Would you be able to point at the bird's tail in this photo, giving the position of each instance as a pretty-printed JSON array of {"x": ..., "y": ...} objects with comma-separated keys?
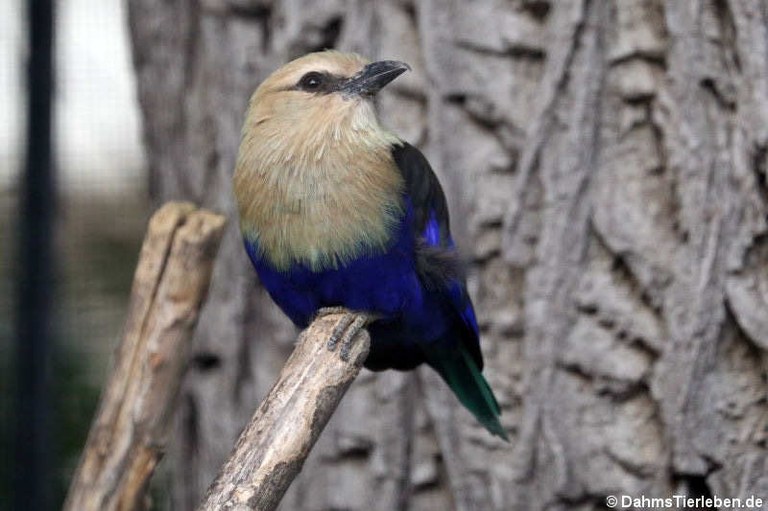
[{"x": 463, "y": 376}]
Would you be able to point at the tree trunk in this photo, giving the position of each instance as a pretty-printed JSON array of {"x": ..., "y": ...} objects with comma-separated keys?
[{"x": 606, "y": 164}]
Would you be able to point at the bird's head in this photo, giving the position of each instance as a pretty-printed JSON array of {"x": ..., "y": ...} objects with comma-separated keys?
[{"x": 316, "y": 99}]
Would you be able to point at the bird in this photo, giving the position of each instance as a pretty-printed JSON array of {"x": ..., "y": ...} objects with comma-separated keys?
[{"x": 339, "y": 213}]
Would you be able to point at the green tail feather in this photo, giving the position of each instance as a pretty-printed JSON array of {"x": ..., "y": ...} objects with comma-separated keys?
[{"x": 463, "y": 377}]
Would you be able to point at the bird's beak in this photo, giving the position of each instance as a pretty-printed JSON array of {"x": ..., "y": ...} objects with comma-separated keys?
[{"x": 373, "y": 77}]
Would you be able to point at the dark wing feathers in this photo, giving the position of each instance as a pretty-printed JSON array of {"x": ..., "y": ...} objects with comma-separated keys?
[
  {"x": 424, "y": 189},
  {"x": 436, "y": 257}
]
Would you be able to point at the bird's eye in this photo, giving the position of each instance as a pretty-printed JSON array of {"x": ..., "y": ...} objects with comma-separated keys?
[{"x": 311, "y": 81}]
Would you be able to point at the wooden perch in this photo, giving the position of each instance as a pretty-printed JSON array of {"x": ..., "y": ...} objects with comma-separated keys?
[
  {"x": 271, "y": 450},
  {"x": 128, "y": 436}
]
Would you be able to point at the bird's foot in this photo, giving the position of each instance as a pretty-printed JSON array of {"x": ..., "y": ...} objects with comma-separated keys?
[
  {"x": 344, "y": 331},
  {"x": 326, "y": 311}
]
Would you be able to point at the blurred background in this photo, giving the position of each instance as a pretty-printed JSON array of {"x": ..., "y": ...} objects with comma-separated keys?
[{"x": 99, "y": 220}]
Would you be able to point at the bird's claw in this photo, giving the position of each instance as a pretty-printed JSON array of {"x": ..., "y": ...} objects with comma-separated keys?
[
  {"x": 344, "y": 333},
  {"x": 339, "y": 329},
  {"x": 349, "y": 337}
]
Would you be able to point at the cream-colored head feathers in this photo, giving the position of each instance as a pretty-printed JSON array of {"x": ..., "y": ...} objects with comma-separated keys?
[{"x": 315, "y": 180}]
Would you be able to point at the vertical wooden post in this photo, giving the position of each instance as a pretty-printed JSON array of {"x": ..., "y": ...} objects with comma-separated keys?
[{"x": 129, "y": 434}]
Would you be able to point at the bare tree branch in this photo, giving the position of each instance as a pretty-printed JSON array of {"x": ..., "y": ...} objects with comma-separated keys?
[{"x": 272, "y": 448}]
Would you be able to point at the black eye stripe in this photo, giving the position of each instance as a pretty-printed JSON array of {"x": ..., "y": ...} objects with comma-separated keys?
[{"x": 317, "y": 81}]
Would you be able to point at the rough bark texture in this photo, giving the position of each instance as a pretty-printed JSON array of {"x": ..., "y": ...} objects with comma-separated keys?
[
  {"x": 130, "y": 431},
  {"x": 606, "y": 163},
  {"x": 277, "y": 440}
]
